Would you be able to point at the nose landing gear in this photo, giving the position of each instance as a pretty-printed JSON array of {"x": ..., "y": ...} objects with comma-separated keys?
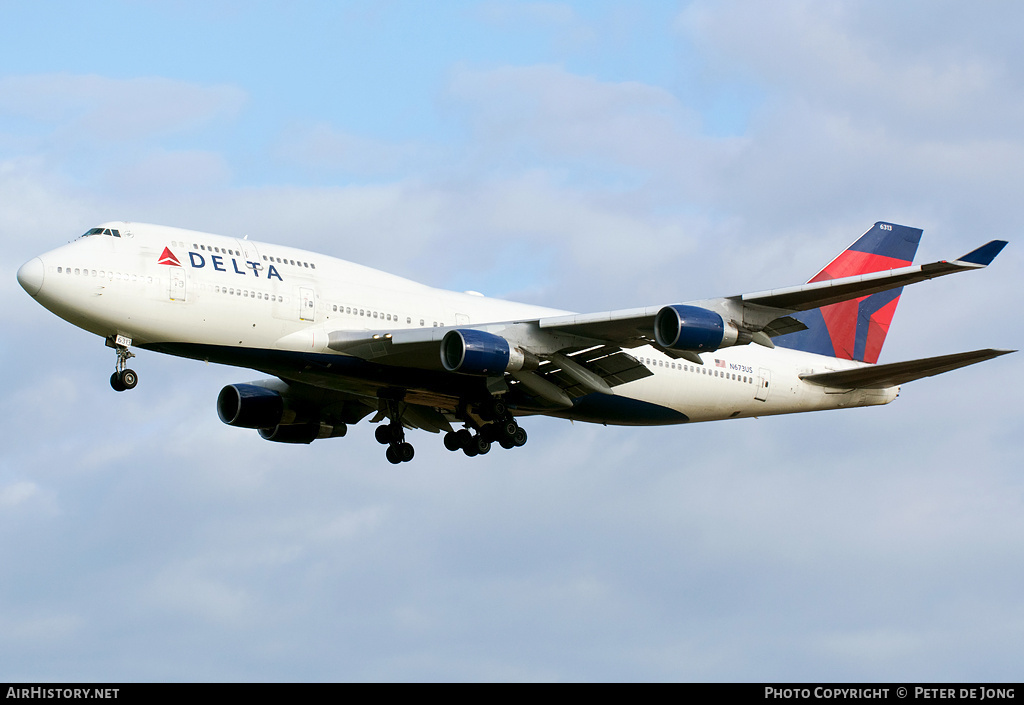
[{"x": 123, "y": 378}]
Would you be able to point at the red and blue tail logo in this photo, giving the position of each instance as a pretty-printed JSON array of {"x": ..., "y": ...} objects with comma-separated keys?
[
  {"x": 167, "y": 257},
  {"x": 856, "y": 329}
]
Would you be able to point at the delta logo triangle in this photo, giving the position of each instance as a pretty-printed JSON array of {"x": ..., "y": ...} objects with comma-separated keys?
[{"x": 167, "y": 257}]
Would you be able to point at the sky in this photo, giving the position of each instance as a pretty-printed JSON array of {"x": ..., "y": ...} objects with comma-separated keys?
[{"x": 585, "y": 156}]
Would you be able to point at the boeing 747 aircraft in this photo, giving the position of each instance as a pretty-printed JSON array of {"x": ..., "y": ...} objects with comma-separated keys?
[{"x": 342, "y": 341}]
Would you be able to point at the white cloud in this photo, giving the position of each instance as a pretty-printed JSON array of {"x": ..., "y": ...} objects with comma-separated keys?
[
  {"x": 322, "y": 149},
  {"x": 890, "y": 65},
  {"x": 116, "y": 110},
  {"x": 17, "y": 493}
]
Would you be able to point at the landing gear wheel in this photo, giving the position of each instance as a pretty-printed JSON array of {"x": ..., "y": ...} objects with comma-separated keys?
[
  {"x": 493, "y": 409},
  {"x": 128, "y": 378},
  {"x": 383, "y": 434},
  {"x": 452, "y": 441},
  {"x": 405, "y": 451},
  {"x": 393, "y": 455},
  {"x": 519, "y": 439},
  {"x": 498, "y": 408},
  {"x": 481, "y": 445},
  {"x": 115, "y": 382},
  {"x": 509, "y": 429}
]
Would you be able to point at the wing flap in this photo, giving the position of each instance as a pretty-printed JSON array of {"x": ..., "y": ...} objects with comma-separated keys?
[
  {"x": 897, "y": 373},
  {"x": 610, "y": 363}
]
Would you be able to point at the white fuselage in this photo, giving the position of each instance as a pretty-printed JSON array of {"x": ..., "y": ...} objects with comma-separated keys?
[{"x": 164, "y": 286}]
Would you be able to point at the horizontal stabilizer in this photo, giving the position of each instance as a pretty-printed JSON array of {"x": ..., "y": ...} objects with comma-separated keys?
[
  {"x": 984, "y": 254},
  {"x": 897, "y": 373}
]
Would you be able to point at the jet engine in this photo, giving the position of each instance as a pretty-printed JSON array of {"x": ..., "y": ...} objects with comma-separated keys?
[
  {"x": 302, "y": 432},
  {"x": 286, "y": 415},
  {"x": 250, "y": 406},
  {"x": 476, "y": 352},
  {"x": 695, "y": 329}
]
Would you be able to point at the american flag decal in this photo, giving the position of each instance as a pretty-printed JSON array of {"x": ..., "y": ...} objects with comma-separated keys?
[{"x": 719, "y": 363}]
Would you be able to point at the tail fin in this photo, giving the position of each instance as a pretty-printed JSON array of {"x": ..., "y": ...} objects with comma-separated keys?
[{"x": 855, "y": 330}]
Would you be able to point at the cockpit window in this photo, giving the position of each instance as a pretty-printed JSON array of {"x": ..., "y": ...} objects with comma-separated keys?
[{"x": 102, "y": 231}]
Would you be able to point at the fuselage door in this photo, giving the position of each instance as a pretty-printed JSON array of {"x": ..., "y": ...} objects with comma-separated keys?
[
  {"x": 177, "y": 277},
  {"x": 307, "y": 304},
  {"x": 251, "y": 256},
  {"x": 764, "y": 381}
]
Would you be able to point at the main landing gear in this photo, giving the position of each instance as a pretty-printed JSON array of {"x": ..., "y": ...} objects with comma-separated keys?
[
  {"x": 501, "y": 428},
  {"x": 393, "y": 436},
  {"x": 123, "y": 378}
]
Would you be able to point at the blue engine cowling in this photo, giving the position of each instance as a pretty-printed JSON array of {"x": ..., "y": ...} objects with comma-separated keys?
[
  {"x": 476, "y": 352},
  {"x": 692, "y": 328},
  {"x": 250, "y": 406}
]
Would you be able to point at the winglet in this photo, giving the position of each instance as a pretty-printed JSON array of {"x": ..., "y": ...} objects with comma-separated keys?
[{"x": 984, "y": 255}]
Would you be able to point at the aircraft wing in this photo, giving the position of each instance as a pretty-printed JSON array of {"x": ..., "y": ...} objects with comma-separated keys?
[
  {"x": 573, "y": 370},
  {"x": 823, "y": 293},
  {"x": 580, "y": 354},
  {"x": 768, "y": 310},
  {"x": 897, "y": 373}
]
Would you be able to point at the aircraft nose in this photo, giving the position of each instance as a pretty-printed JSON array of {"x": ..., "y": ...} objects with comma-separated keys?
[{"x": 30, "y": 276}]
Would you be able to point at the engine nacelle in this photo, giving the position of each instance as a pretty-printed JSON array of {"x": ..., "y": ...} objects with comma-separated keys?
[
  {"x": 693, "y": 329},
  {"x": 303, "y": 432},
  {"x": 250, "y": 406},
  {"x": 476, "y": 352}
]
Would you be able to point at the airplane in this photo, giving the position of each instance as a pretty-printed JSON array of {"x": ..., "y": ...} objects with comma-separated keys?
[{"x": 342, "y": 341}]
